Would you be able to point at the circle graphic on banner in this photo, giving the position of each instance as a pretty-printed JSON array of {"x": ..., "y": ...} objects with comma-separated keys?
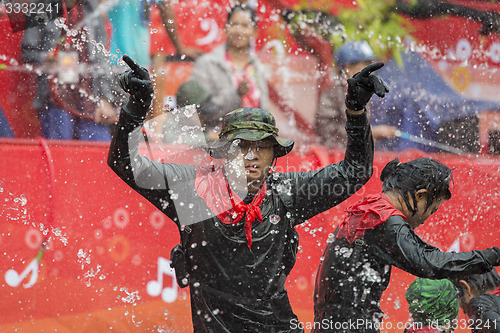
[
  {"x": 119, "y": 248},
  {"x": 136, "y": 260},
  {"x": 33, "y": 239},
  {"x": 157, "y": 220},
  {"x": 121, "y": 218},
  {"x": 301, "y": 283},
  {"x": 210, "y": 26}
]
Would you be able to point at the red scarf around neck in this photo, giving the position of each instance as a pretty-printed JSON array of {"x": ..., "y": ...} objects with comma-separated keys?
[
  {"x": 211, "y": 185},
  {"x": 368, "y": 213}
]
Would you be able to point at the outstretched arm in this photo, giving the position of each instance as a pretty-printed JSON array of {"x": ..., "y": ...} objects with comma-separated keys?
[{"x": 401, "y": 246}]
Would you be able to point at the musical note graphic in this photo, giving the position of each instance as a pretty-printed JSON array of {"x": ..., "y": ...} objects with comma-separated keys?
[
  {"x": 155, "y": 287},
  {"x": 13, "y": 279}
]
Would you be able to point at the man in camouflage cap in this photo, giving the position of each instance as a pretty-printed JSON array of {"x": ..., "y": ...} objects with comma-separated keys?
[{"x": 238, "y": 237}]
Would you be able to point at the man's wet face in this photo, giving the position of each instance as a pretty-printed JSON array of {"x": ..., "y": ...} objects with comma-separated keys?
[{"x": 252, "y": 159}]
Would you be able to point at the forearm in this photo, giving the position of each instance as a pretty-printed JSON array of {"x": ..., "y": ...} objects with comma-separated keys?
[
  {"x": 358, "y": 159},
  {"x": 124, "y": 146}
]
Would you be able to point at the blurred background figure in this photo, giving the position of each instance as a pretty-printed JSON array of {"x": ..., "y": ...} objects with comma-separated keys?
[
  {"x": 330, "y": 116},
  {"x": 478, "y": 295},
  {"x": 433, "y": 305},
  {"x": 78, "y": 104},
  {"x": 232, "y": 74},
  {"x": 5, "y": 130},
  {"x": 130, "y": 30},
  {"x": 185, "y": 124},
  {"x": 167, "y": 12}
]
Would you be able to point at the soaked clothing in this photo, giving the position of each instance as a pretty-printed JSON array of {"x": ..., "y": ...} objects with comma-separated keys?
[
  {"x": 352, "y": 276},
  {"x": 235, "y": 288},
  {"x": 485, "y": 313},
  {"x": 330, "y": 116}
]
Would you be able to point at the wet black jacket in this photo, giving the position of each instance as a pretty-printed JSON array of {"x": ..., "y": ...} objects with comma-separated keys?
[
  {"x": 234, "y": 288},
  {"x": 352, "y": 277},
  {"x": 485, "y": 314}
]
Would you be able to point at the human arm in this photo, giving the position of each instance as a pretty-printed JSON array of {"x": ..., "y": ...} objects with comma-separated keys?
[
  {"x": 316, "y": 191},
  {"x": 400, "y": 246},
  {"x": 381, "y": 132},
  {"x": 38, "y": 42},
  {"x": 105, "y": 113},
  {"x": 335, "y": 183}
]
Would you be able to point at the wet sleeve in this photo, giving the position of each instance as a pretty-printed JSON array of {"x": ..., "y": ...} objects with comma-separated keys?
[
  {"x": 400, "y": 246},
  {"x": 148, "y": 178},
  {"x": 330, "y": 118},
  {"x": 314, "y": 192}
]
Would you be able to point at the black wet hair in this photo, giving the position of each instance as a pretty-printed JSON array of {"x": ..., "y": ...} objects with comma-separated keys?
[
  {"x": 422, "y": 173},
  {"x": 242, "y": 7},
  {"x": 481, "y": 282}
]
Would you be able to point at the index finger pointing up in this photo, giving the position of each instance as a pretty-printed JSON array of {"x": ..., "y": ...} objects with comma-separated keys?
[
  {"x": 371, "y": 68},
  {"x": 131, "y": 63}
]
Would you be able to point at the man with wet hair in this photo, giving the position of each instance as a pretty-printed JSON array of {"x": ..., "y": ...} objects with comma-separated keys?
[{"x": 237, "y": 222}]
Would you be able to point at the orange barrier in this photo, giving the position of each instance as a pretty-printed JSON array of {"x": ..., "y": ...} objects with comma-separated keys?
[{"x": 104, "y": 266}]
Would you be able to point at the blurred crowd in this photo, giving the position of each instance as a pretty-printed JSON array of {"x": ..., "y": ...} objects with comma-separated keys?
[{"x": 76, "y": 96}]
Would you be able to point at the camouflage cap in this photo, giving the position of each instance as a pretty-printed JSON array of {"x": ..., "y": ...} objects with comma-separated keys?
[
  {"x": 191, "y": 92},
  {"x": 432, "y": 301},
  {"x": 252, "y": 124}
]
